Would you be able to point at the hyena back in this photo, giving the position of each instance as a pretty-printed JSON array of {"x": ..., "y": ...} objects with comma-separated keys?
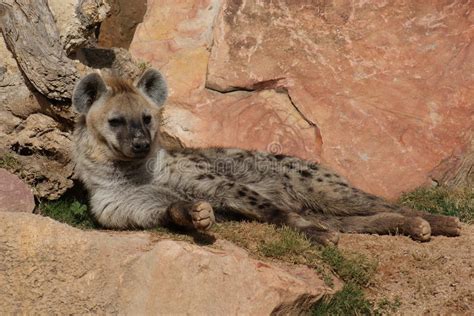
[{"x": 134, "y": 182}]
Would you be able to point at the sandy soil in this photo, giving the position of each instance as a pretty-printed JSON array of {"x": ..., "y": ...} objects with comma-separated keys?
[{"x": 436, "y": 277}]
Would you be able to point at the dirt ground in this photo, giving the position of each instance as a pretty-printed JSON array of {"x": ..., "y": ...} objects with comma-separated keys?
[{"x": 436, "y": 277}]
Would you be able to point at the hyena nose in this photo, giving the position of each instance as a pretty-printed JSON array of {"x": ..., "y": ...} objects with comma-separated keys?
[{"x": 140, "y": 146}]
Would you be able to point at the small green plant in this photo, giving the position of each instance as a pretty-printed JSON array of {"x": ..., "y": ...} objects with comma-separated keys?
[
  {"x": 385, "y": 306},
  {"x": 442, "y": 200},
  {"x": 69, "y": 211},
  {"x": 143, "y": 65}
]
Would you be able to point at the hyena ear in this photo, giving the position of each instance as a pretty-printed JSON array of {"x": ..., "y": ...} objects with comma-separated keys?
[
  {"x": 153, "y": 85},
  {"x": 88, "y": 90}
]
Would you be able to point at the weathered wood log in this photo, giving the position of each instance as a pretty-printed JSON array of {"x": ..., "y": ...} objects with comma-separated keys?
[
  {"x": 457, "y": 170},
  {"x": 31, "y": 34}
]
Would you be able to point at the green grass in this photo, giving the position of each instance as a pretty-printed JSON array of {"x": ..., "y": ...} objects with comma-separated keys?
[
  {"x": 349, "y": 301},
  {"x": 288, "y": 243},
  {"x": 443, "y": 200},
  {"x": 69, "y": 211},
  {"x": 352, "y": 268},
  {"x": 356, "y": 271},
  {"x": 9, "y": 162}
]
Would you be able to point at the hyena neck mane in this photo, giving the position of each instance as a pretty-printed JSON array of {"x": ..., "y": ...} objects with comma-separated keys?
[{"x": 116, "y": 132}]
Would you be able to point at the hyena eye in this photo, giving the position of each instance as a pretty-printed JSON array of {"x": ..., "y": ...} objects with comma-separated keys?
[
  {"x": 146, "y": 119},
  {"x": 116, "y": 121}
]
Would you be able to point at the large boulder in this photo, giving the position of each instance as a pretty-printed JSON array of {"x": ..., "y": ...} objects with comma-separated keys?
[
  {"x": 381, "y": 92},
  {"x": 48, "y": 267}
]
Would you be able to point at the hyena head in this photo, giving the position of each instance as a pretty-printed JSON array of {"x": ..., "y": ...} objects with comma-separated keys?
[{"x": 122, "y": 117}]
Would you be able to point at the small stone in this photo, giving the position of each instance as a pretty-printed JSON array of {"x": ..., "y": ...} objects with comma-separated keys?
[{"x": 15, "y": 196}]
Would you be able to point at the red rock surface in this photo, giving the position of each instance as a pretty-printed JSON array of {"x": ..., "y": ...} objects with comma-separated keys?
[
  {"x": 15, "y": 196},
  {"x": 381, "y": 92}
]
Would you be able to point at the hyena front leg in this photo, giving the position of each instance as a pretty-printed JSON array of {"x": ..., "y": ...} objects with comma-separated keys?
[
  {"x": 198, "y": 215},
  {"x": 147, "y": 207}
]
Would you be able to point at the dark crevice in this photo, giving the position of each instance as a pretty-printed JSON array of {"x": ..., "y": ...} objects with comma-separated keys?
[
  {"x": 229, "y": 89},
  {"x": 299, "y": 111},
  {"x": 271, "y": 84}
]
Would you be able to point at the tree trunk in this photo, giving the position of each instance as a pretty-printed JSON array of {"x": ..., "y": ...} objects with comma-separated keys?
[{"x": 31, "y": 34}]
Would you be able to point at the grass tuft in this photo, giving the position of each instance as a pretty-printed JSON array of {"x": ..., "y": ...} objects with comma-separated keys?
[
  {"x": 9, "y": 162},
  {"x": 288, "y": 243},
  {"x": 69, "y": 211},
  {"x": 349, "y": 301},
  {"x": 143, "y": 65},
  {"x": 356, "y": 271},
  {"x": 352, "y": 268},
  {"x": 442, "y": 200}
]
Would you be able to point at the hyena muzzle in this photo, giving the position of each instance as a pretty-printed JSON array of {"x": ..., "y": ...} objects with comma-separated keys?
[{"x": 134, "y": 182}]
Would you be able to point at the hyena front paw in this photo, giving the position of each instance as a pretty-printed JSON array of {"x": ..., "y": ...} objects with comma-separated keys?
[{"x": 202, "y": 215}]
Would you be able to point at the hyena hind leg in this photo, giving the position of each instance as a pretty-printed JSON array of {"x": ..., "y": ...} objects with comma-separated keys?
[
  {"x": 383, "y": 224},
  {"x": 440, "y": 224},
  {"x": 365, "y": 204},
  {"x": 198, "y": 215},
  {"x": 316, "y": 231}
]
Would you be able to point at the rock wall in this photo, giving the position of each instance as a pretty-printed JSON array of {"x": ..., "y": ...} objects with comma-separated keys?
[
  {"x": 381, "y": 92},
  {"x": 52, "y": 268}
]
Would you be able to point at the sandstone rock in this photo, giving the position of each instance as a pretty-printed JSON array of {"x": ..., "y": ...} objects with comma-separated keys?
[
  {"x": 49, "y": 268},
  {"x": 262, "y": 120},
  {"x": 386, "y": 89},
  {"x": 176, "y": 37},
  {"x": 76, "y": 20},
  {"x": 43, "y": 151},
  {"x": 15, "y": 196}
]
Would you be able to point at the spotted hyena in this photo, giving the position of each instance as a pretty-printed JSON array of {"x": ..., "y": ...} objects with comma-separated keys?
[{"x": 135, "y": 183}]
